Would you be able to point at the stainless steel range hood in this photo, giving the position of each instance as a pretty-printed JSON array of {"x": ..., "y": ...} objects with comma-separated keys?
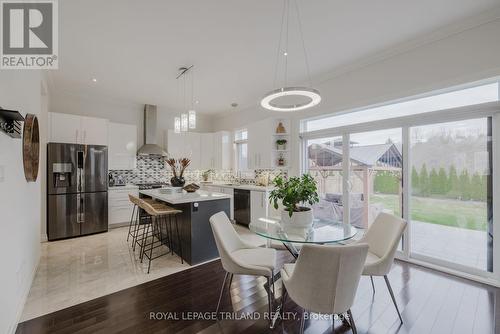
[{"x": 150, "y": 146}]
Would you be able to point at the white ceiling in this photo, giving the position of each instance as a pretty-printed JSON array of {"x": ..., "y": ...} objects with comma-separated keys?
[{"x": 134, "y": 47}]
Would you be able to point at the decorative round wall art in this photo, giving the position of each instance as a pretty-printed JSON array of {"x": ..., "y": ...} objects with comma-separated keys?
[{"x": 31, "y": 148}]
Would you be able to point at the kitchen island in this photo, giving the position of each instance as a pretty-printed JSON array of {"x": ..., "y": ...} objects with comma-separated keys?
[{"x": 198, "y": 244}]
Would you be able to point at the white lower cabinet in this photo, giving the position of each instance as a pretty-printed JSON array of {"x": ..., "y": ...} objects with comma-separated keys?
[
  {"x": 258, "y": 205},
  {"x": 119, "y": 206}
]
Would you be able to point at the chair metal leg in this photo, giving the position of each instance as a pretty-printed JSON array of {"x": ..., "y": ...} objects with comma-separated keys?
[
  {"x": 284, "y": 294},
  {"x": 302, "y": 321},
  {"x": 392, "y": 296},
  {"x": 351, "y": 321},
  {"x": 221, "y": 293},
  {"x": 270, "y": 301},
  {"x": 373, "y": 285}
]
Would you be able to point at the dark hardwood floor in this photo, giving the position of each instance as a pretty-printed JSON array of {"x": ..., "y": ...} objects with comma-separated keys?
[{"x": 430, "y": 302}]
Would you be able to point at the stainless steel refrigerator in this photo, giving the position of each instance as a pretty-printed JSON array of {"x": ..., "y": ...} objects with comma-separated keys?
[{"x": 77, "y": 190}]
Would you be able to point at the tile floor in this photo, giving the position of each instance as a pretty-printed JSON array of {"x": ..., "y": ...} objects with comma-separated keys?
[{"x": 76, "y": 270}]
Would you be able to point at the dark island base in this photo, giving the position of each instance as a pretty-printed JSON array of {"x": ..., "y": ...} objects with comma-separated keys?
[{"x": 197, "y": 239}]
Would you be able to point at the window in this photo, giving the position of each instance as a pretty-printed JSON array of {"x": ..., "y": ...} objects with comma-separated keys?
[
  {"x": 454, "y": 99},
  {"x": 241, "y": 148}
]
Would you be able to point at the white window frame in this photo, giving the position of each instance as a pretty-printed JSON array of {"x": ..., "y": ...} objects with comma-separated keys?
[{"x": 490, "y": 109}]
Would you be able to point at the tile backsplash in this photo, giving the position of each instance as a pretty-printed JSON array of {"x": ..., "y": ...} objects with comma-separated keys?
[{"x": 150, "y": 169}]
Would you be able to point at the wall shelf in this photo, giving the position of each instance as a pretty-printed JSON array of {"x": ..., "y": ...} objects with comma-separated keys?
[{"x": 10, "y": 122}]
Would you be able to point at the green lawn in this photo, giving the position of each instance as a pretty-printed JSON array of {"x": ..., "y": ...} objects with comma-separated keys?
[{"x": 464, "y": 214}]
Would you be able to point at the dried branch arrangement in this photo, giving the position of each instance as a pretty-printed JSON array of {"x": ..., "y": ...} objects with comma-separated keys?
[{"x": 178, "y": 165}]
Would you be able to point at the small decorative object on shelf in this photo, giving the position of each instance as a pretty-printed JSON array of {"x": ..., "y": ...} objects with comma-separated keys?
[
  {"x": 281, "y": 144},
  {"x": 10, "y": 122},
  {"x": 175, "y": 165},
  {"x": 281, "y": 161},
  {"x": 291, "y": 192},
  {"x": 280, "y": 128},
  {"x": 31, "y": 148}
]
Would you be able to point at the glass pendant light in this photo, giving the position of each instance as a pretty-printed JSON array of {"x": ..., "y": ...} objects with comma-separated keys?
[
  {"x": 184, "y": 122},
  {"x": 177, "y": 124}
]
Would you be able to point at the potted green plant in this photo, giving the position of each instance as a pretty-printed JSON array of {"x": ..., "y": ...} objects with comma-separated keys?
[
  {"x": 206, "y": 174},
  {"x": 281, "y": 144},
  {"x": 292, "y": 193}
]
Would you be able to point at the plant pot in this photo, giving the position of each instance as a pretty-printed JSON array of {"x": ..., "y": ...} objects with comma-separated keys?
[
  {"x": 177, "y": 182},
  {"x": 281, "y": 147},
  {"x": 303, "y": 219}
]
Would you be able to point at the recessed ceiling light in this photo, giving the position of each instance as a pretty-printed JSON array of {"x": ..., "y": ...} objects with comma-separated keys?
[
  {"x": 94, "y": 80},
  {"x": 197, "y": 102}
]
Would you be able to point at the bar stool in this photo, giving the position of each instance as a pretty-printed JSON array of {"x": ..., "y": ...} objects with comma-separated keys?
[
  {"x": 162, "y": 217},
  {"x": 135, "y": 218}
]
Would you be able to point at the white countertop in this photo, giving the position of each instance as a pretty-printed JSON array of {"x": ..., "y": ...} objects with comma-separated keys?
[
  {"x": 125, "y": 187},
  {"x": 239, "y": 186},
  {"x": 185, "y": 197}
]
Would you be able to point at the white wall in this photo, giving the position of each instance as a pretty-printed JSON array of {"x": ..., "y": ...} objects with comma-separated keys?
[
  {"x": 20, "y": 201},
  {"x": 465, "y": 56},
  {"x": 119, "y": 111}
]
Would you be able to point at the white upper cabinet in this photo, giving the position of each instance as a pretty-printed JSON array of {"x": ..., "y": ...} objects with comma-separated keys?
[
  {"x": 185, "y": 145},
  {"x": 73, "y": 129},
  {"x": 94, "y": 131},
  {"x": 122, "y": 146},
  {"x": 222, "y": 150},
  {"x": 207, "y": 150},
  {"x": 64, "y": 128},
  {"x": 260, "y": 135}
]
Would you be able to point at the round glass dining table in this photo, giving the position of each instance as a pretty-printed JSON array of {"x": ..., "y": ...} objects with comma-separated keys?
[{"x": 321, "y": 232}]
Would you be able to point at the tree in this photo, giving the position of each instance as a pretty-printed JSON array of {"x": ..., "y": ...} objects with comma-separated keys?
[
  {"x": 443, "y": 182},
  {"x": 453, "y": 183},
  {"x": 434, "y": 182},
  {"x": 424, "y": 181},
  {"x": 464, "y": 185},
  {"x": 415, "y": 181},
  {"x": 476, "y": 188}
]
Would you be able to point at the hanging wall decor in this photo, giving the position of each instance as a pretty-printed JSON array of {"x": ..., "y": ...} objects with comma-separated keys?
[{"x": 31, "y": 147}]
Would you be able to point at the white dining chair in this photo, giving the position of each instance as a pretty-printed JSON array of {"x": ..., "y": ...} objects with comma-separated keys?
[
  {"x": 241, "y": 258},
  {"x": 325, "y": 279},
  {"x": 383, "y": 238}
]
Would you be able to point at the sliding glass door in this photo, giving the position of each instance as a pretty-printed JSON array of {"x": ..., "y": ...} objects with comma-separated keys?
[
  {"x": 451, "y": 192},
  {"x": 437, "y": 176}
]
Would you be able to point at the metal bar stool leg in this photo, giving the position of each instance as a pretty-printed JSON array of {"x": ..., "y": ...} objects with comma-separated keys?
[
  {"x": 154, "y": 221},
  {"x": 131, "y": 222}
]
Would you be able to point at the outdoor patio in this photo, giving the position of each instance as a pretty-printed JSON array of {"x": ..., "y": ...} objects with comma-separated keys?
[{"x": 457, "y": 245}]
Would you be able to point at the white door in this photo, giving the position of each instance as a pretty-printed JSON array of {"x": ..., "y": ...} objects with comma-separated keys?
[
  {"x": 64, "y": 128},
  {"x": 95, "y": 131},
  {"x": 258, "y": 206}
]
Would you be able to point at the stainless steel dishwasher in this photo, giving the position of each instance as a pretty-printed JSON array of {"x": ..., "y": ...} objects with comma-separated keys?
[{"x": 242, "y": 206}]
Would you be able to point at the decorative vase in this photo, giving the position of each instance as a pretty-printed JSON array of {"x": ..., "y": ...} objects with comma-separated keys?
[
  {"x": 281, "y": 147},
  {"x": 280, "y": 128},
  {"x": 177, "y": 181},
  {"x": 302, "y": 219}
]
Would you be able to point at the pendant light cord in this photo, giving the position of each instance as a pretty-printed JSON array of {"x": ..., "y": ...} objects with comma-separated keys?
[
  {"x": 278, "y": 53},
  {"x": 308, "y": 70}
]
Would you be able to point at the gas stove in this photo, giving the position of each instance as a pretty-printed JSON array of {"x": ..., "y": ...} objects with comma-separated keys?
[{"x": 154, "y": 185}]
